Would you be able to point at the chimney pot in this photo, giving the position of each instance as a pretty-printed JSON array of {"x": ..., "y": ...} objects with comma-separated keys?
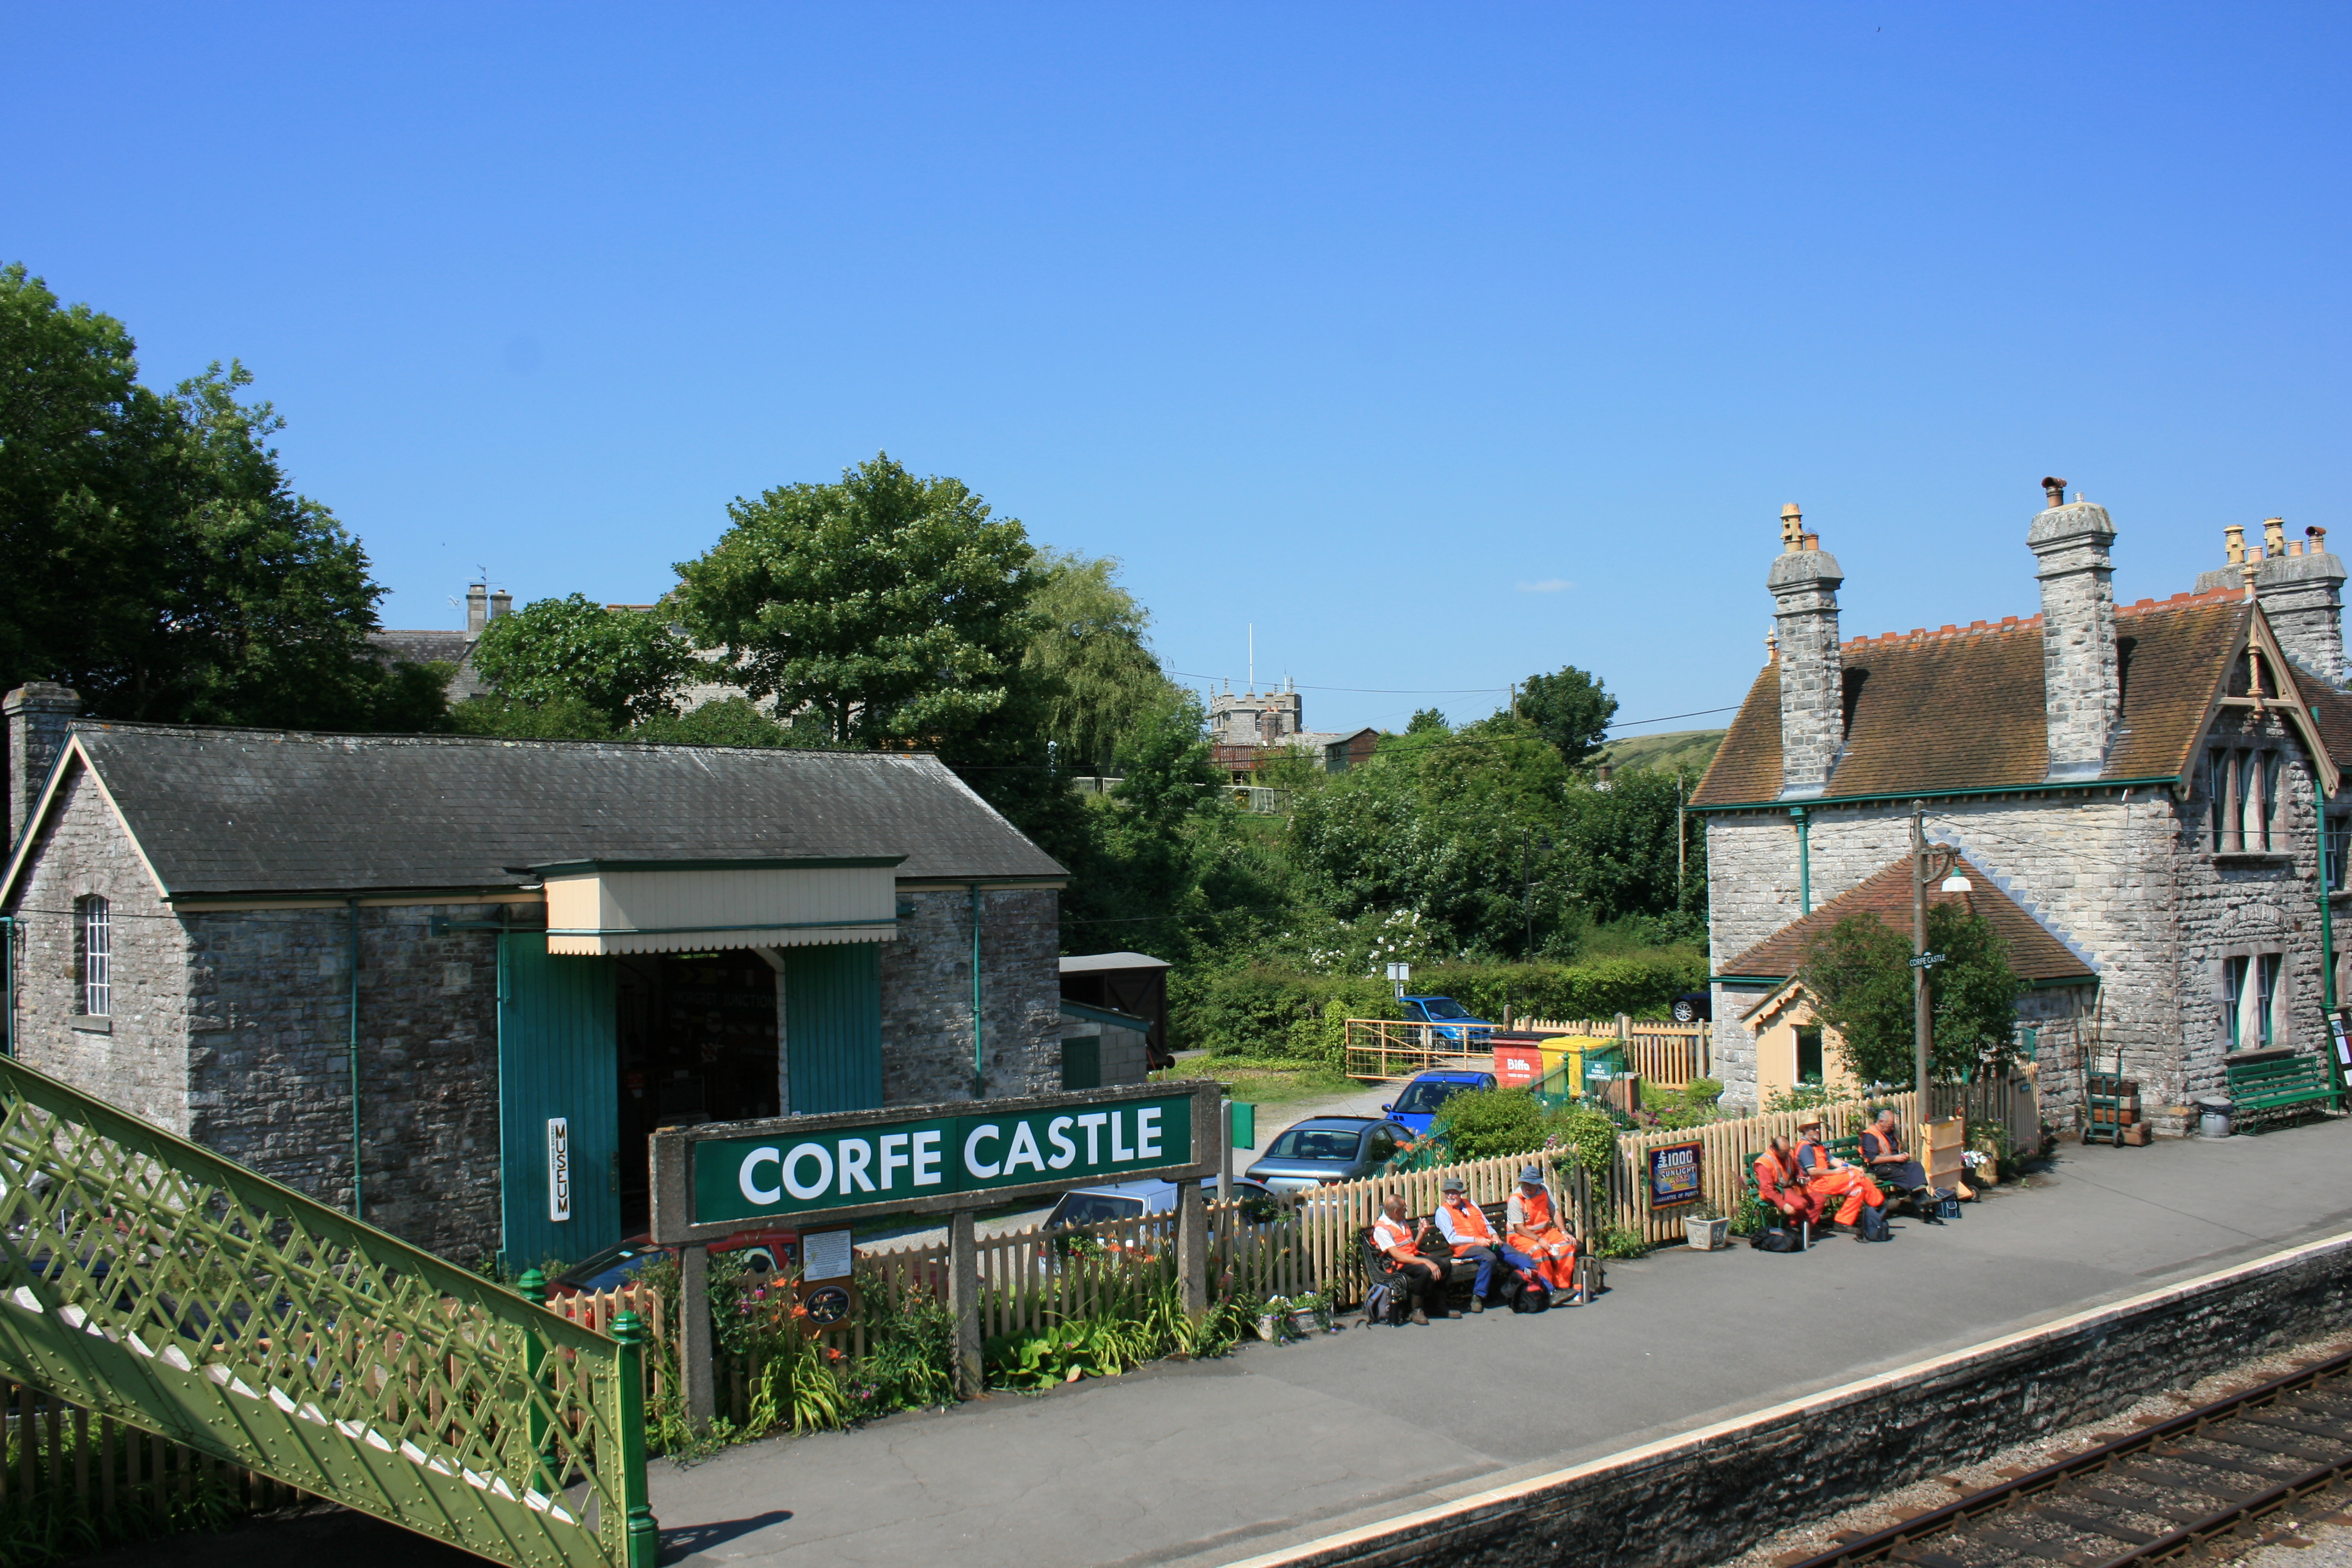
[
  {"x": 1792, "y": 529},
  {"x": 2274, "y": 537},
  {"x": 2053, "y": 490}
]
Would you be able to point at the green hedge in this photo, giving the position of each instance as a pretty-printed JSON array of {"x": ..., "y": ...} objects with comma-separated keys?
[{"x": 1262, "y": 1010}]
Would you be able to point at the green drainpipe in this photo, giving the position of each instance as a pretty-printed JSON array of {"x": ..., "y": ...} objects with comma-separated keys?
[
  {"x": 8, "y": 984},
  {"x": 358, "y": 1206},
  {"x": 1804, "y": 859},
  {"x": 979, "y": 1062}
]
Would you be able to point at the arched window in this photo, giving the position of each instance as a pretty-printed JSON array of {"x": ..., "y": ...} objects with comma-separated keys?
[{"x": 94, "y": 956}]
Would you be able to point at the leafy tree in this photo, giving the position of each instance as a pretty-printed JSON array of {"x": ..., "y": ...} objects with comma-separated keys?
[
  {"x": 561, "y": 718},
  {"x": 626, "y": 665},
  {"x": 892, "y": 607},
  {"x": 724, "y": 721},
  {"x": 1859, "y": 975},
  {"x": 160, "y": 562},
  {"x": 1427, "y": 722},
  {"x": 1096, "y": 675},
  {"x": 1570, "y": 709}
]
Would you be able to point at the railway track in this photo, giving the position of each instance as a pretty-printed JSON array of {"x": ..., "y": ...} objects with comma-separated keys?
[{"x": 2143, "y": 1496}]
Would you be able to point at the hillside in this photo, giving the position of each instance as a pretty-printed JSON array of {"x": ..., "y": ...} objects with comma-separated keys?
[{"x": 1689, "y": 749}]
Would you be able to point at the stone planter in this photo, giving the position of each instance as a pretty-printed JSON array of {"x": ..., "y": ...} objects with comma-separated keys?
[
  {"x": 1706, "y": 1235},
  {"x": 1276, "y": 1326}
]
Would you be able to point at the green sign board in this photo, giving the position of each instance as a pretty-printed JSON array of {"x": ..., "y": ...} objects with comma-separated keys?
[{"x": 929, "y": 1157}]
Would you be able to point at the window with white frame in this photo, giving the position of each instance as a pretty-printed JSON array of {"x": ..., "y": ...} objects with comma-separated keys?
[
  {"x": 2250, "y": 1001},
  {"x": 94, "y": 956},
  {"x": 2339, "y": 843}
]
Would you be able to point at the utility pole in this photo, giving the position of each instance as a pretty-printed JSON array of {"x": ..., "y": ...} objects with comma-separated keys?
[{"x": 1919, "y": 959}]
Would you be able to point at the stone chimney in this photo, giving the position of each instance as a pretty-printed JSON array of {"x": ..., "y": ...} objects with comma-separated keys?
[
  {"x": 39, "y": 715},
  {"x": 2081, "y": 699},
  {"x": 501, "y": 603},
  {"x": 478, "y": 608},
  {"x": 2300, "y": 586},
  {"x": 1804, "y": 582}
]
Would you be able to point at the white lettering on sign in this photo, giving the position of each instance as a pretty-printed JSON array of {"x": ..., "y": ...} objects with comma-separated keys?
[
  {"x": 856, "y": 1154},
  {"x": 1057, "y": 1133},
  {"x": 1119, "y": 1149},
  {"x": 988, "y": 1130},
  {"x": 893, "y": 1156},
  {"x": 751, "y": 1189},
  {"x": 1092, "y": 1122},
  {"x": 793, "y": 1162},
  {"x": 927, "y": 1159},
  {"x": 559, "y": 1168},
  {"x": 1024, "y": 1153},
  {"x": 1147, "y": 1131}
]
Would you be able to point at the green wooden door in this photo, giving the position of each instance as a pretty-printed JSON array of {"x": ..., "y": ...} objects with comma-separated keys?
[
  {"x": 559, "y": 1104},
  {"x": 832, "y": 1026}
]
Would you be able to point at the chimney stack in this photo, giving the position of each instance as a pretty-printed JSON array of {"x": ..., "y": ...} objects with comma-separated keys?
[
  {"x": 40, "y": 713},
  {"x": 2301, "y": 593},
  {"x": 478, "y": 608},
  {"x": 2081, "y": 700},
  {"x": 501, "y": 603},
  {"x": 1804, "y": 582}
]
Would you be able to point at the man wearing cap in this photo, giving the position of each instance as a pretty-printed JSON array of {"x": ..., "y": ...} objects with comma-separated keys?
[
  {"x": 1828, "y": 1177},
  {"x": 1532, "y": 1229},
  {"x": 1421, "y": 1278},
  {"x": 1466, "y": 1229}
]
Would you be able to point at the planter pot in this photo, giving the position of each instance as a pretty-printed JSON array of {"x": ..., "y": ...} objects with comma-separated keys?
[
  {"x": 1706, "y": 1235},
  {"x": 1304, "y": 1324}
]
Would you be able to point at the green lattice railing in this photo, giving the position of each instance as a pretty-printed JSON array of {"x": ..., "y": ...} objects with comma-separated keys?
[{"x": 150, "y": 1280}]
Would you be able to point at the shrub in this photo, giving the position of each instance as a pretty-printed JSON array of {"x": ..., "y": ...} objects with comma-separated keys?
[
  {"x": 1644, "y": 984},
  {"x": 1622, "y": 1241},
  {"x": 1486, "y": 1123},
  {"x": 1591, "y": 1135}
]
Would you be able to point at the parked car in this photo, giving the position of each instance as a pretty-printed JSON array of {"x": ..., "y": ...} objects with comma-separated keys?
[
  {"x": 1128, "y": 1200},
  {"x": 1694, "y": 1007},
  {"x": 1455, "y": 1023},
  {"x": 1416, "y": 1108},
  {"x": 1323, "y": 1150},
  {"x": 765, "y": 1251}
]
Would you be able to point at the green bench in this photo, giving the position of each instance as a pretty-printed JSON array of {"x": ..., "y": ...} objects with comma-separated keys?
[
  {"x": 2278, "y": 1086},
  {"x": 1848, "y": 1149}
]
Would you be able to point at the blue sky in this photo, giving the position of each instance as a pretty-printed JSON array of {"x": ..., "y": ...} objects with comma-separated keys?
[{"x": 1444, "y": 344}]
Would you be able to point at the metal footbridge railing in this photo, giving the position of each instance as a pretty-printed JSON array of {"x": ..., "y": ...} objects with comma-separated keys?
[{"x": 150, "y": 1280}]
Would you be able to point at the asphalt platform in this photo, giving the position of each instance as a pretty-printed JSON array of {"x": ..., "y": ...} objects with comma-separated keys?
[{"x": 1208, "y": 1462}]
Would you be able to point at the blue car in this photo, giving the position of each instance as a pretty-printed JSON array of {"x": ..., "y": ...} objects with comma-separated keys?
[
  {"x": 1416, "y": 1108},
  {"x": 1455, "y": 1022}
]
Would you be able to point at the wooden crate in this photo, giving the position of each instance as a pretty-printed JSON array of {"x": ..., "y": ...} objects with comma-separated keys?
[{"x": 1940, "y": 1142}]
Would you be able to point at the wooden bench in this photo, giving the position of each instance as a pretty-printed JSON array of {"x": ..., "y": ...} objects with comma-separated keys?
[
  {"x": 1378, "y": 1266},
  {"x": 1848, "y": 1149},
  {"x": 2277, "y": 1085}
]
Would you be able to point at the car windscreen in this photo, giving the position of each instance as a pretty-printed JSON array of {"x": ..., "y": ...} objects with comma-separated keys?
[
  {"x": 1445, "y": 1008},
  {"x": 1428, "y": 1095},
  {"x": 612, "y": 1272},
  {"x": 1316, "y": 1143},
  {"x": 1092, "y": 1208}
]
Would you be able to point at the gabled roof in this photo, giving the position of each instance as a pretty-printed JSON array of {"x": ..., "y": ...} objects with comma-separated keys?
[
  {"x": 220, "y": 811},
  {"x": 2035, "y": 951},
  {"x": 1961, "y": 709}
]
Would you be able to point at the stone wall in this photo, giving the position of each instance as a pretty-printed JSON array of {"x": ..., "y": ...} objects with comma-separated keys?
[
  {"x": 136, "y": 1058},
  {"x": 2128, "y": 878},
  {"x": 927, "y": 995},
  {"x": 269, "y": 1064},
  {"x": 1706, "y": 1496}
]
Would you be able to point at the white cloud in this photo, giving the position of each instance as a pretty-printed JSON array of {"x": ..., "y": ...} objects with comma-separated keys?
[{"x": 1549, "y": 585}]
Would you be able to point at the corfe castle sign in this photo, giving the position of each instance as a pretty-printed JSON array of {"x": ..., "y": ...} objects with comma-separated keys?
[{"x": 717, "y": 1178}]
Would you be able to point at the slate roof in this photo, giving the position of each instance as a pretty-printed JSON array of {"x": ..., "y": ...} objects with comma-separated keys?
[
  {"x": 1962, "y": 707},
  {"x": 2034, "y": 951},
  {"x": 246, "y": 811},
  {"x": 425, "y": 647}
]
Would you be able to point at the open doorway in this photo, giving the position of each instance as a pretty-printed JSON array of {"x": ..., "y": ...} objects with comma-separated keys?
[{"x": 697, "y": 1043}]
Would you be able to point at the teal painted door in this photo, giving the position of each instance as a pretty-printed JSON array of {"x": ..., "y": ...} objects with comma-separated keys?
[
  {"x": 559, "y": 1104},
  {"x": 832, "y": 1026}
]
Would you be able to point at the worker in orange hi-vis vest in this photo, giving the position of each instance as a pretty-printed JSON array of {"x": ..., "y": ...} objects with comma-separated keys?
[
  {"x": 1782, "y": 1185},
  {"x": 1532, "y": 1227},
  {"x": 1422, "y": 1278},
  {"x": 1466, "y": 1227},
  {"x": 1828, "y": 1177}
]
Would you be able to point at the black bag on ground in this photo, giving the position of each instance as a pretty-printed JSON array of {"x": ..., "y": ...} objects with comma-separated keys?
[
  {"x": 1777, "y": 1240},
  {"x": 1531, "y": 1298},
  {"x": 1948, "y": 1207},
  {"x": 1874, "y": 1225}
]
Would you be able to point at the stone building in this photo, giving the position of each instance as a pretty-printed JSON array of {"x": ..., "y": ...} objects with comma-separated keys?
[
  {"x": 403, "y": 974},
  {"x": 453, "y": 649},
  {"x": 2153, "y": 786}
]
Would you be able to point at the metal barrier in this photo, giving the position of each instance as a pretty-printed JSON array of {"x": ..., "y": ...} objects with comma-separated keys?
[{"x": 151, "y": 1281}]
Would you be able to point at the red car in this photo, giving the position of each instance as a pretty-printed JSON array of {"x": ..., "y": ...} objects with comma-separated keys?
[{"x": 766, "y": 1251}]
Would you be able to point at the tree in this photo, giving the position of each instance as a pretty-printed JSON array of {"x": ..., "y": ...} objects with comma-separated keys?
[
  {"x": 625, "y": 665},
  {"x": 162, "y": 564},
  {"x": 893, "y": 608},
  {"x": 1427, "y": 722},
  {"x": 1858, "y": 974},
  {"x": 1570, "y": 709},
  {"x": 724, "y": 721},
  {"x": 1097, "y": 675}
]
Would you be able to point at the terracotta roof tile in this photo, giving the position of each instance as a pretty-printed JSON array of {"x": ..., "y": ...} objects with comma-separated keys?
[
  {"x": 1962, "y": 707},
  {"x": 2033, "y": 951}
]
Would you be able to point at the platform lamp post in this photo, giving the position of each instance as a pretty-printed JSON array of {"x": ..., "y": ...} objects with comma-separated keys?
[{"x": 1954, "y": 882}]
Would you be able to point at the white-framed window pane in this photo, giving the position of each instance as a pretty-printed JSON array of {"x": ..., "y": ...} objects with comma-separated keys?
[
  {"x": 2266, "y": 978},
  {"x": 2234, "y": 996},
  {"x": 96, "y": 957},
  {"x": 2274, "y": 765},
  {"x": 2217, "y": 786}
]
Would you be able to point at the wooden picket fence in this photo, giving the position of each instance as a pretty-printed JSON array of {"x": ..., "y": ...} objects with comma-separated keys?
[
  {"x": 1667, "y": 1054},
  {"x": 109, "y": 1468}
]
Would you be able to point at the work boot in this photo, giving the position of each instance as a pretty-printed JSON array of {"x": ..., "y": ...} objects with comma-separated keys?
[
  {"x": 1477, "y": 1303},
  {"x": 1420, "y": 1317}
]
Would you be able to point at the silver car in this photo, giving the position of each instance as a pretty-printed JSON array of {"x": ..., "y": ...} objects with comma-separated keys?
[{"x": 1323, "y": 1150}]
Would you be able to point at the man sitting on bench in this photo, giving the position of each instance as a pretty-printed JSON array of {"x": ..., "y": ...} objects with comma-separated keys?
[
  {"x": 1421, "y": 1278},
  {"x": 1828, "y": 1178},
  {"x": 1782, "y": 1185},
  {"x": 1472, "y": 1238},
  {"x": 1883, "y": 1155}
]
